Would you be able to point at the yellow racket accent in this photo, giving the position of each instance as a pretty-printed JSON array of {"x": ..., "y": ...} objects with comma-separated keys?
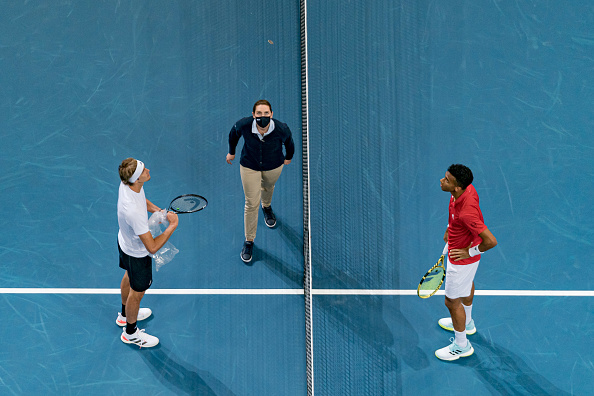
[{"x": 433, "y": 279}]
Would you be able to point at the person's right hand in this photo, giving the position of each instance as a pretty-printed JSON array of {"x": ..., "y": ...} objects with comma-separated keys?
[
  {"x": 172, "y": 219},
  {"x": 230, "y": 158},
  {"x": 445, "y": 236}
]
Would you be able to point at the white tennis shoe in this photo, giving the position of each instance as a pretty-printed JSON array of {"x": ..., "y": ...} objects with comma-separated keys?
[
  {"x": 139, "y": 338},
  {"x": 143, "y": 313},
  {"x": 446, "y": 324},
  {"x": 454, "y": 351}
]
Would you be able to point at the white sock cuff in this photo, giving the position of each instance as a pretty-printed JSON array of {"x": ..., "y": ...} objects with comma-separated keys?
[
  {"x": 460, "y": 338},
  {"x": 468, "y": 311}
]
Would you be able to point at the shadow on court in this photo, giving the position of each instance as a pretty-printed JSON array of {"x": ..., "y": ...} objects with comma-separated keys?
[
  {"x": 291, "y": 276},
  {"x": 182, "y": 376},
  {"x": 361, "y": 316},
  {"x": 505, "y": 372}
]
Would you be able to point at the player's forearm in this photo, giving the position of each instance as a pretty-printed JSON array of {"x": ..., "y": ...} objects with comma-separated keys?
[
  {"x": 486, "y": 245},
  {"x": 151, "y": 207},
  {"x": 162, "y": 239},
  {"x": 489, "y": 241}
]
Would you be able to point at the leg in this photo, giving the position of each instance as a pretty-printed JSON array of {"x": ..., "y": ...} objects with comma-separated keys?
[
  {"x": 133, "y": 305},
  {"x": 461, "y": 347},
  {"x": 268, "y": 181},
  {"x": 252, "y": 190},
  {"x": 131, "y": 334},
  {"x": 459, "y": 282},
  {"x": 459, "y": 290},
  {"x": 138, "y": 274},
  {"x": 468, "y": 300},
  {"x": 125, "y": 288},
  {"x": 457, "y": 313}
]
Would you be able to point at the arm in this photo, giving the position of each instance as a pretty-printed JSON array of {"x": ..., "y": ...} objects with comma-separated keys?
[
  {"x": 489, "y": 242},
  {"x": 234, "y": 136},
  {"x": 151, "y": 207},
  {"x": 153, "y": 245},
  {"x": 289, "y": 147}
]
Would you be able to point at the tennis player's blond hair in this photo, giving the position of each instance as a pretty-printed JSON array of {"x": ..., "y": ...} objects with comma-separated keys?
[{"x": 127, "y": 169}]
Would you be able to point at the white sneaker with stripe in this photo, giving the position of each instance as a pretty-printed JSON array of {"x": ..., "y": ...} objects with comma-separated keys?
[
  {"x": 143, "y": 313},
  {"x": 446, "y": 324},
  {"x": 139, "y": 338},
  {"x": 454, "y": 352}
]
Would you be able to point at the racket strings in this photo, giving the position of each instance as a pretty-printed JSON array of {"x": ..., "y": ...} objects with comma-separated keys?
[
  {"x": 187, "y": 204},
  {"x": 432, "y": 280}
]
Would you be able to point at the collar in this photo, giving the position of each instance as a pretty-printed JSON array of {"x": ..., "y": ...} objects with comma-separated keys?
[
  {"x": 463, "y": 196},
  {"x": 255, "y": 129}
]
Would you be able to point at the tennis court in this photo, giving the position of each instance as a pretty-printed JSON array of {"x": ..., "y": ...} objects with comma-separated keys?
[{"x": 381, "y": 96}]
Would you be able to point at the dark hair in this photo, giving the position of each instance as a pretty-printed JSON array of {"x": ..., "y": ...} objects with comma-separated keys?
[
  {"x": 261, "y": 102},
  {"x": 463, "y": 175}
]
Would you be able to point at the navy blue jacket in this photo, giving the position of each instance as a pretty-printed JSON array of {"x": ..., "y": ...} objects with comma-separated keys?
[{"x": 262, "y": 155}]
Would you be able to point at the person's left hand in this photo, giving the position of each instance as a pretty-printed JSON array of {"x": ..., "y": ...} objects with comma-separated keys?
[
  {"x": 287, "y": 162},
  {"x": 460, "y": 254}
]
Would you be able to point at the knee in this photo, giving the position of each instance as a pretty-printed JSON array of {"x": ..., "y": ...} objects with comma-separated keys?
[
  {"x": 451, "y": 304},
  {"x": 135, "y": 296}
]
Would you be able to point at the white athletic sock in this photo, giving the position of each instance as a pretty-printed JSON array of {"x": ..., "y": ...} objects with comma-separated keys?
[
  {"x": 468, "y": 310},
  {"x": 460, "y": 338}
]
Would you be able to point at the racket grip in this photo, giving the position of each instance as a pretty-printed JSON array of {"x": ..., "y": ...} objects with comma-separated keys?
[{"x": 445, "y": 249}]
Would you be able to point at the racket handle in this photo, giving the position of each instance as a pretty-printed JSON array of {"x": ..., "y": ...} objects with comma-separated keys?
[{"x": 445, "y": 249}]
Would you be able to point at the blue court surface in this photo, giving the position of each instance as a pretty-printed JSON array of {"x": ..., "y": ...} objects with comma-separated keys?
[{"x": 381, "y": 96}]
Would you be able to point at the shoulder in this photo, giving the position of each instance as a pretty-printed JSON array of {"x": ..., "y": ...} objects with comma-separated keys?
[
  {"x": 470, "y": 206},
  {"x": 281, "y": 126},
  {"x": 124, "y": 193},
  {"x": 471, "y": 191},
  {"x": 244, "y": 122}
]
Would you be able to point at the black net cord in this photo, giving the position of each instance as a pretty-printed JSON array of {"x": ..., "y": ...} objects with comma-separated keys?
[{"x": 306, "y": 229}]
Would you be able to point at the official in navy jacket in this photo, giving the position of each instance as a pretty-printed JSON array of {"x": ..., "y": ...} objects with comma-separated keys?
[{"x": 261, "y": 163}]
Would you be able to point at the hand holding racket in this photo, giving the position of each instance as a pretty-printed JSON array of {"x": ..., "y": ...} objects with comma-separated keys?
[
  {"x": 433, "y": 279},
  {"x": 187, "y": 203}
]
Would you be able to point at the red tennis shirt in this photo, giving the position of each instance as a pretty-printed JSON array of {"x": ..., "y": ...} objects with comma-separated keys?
[{"x": 465, "y": 223}]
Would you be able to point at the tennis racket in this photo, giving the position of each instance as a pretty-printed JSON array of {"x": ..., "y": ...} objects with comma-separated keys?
[
  {"x": 433, "y": 279},
  {"x": 188, "y": 203}
]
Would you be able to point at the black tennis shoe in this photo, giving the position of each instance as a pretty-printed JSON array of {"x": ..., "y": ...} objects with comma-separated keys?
[
  {"x": 246, "y": 252},
  {"x": 269, "y": 217}
]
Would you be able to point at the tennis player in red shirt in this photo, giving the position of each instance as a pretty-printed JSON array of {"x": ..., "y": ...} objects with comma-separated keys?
[{"x": 467, "y": 237}]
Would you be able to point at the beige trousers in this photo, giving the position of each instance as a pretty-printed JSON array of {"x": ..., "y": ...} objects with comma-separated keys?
[{"x": 258, "y": 186}]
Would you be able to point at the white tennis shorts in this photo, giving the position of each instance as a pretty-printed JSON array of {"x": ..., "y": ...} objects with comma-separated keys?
[{"x": 459, "y": 278}]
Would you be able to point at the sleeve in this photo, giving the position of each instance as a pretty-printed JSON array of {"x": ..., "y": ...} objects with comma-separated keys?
[
  {"x": 234, "y": 136},
  {"x": 473, "y": 221},
  {"x": 138, "y": 221},
  {"x": 289, "y": 144}
]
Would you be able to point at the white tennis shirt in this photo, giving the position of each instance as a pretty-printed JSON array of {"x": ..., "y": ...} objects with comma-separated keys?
[{"x": 133, "y": 221}]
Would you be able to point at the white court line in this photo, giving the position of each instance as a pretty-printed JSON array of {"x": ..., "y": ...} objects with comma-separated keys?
[
  {"x": 535, "y": 293},
  {"x": 320, "y": 292},
  {"x": 149, "y": 291}
]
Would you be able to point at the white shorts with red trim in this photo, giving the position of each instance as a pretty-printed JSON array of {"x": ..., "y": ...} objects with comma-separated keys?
[{"x": 459, "y": 278}]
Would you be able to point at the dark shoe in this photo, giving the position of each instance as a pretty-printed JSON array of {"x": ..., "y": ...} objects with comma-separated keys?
[
  {"x": 269, "y": 217},
  {"x": 246, "y": 252}
]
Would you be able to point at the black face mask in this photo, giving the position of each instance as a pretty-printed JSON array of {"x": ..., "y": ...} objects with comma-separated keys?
[{"x": 263, "y": 121}]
